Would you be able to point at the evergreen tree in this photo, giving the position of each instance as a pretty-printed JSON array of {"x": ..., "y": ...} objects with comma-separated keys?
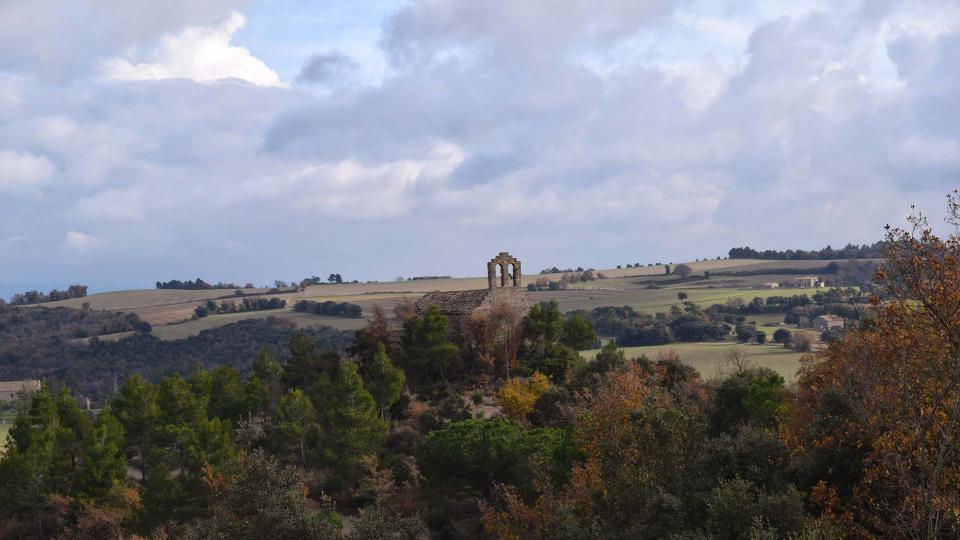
[
  {"x": 385, "y": 382},
  {"x": 427, "y": 346}
]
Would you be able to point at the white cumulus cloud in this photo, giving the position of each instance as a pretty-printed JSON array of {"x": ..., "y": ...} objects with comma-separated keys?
[{"x": 199, "y": 53}]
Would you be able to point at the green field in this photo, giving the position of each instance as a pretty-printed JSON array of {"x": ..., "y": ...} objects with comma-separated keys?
[
  {"x": 710, "y": 358},
  {"x": 654, "y": 300}
]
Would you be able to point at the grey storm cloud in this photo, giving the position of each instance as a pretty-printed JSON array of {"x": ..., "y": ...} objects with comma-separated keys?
[
  {"x": 328, "y": 67},
  {"x": 561, "y": 134}
]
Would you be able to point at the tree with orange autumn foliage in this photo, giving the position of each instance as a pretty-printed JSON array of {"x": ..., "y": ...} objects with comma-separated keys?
[
  {"x": 875, "y": 432},
  {"x": 635, "y": 440}
]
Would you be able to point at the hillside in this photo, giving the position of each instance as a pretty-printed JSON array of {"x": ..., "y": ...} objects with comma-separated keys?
[{"x": 170, "y": 311}]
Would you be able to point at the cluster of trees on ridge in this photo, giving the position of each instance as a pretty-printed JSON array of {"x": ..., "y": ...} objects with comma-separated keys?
[
  {"x": 199, "y": 285},
  {"x": 37, "y": 297},
  {"x": 877, "y": 250},
  {"x": 331, "y": 308},
  {"x": 500, "y": 428},
  {"x": 230, "y": 306}
]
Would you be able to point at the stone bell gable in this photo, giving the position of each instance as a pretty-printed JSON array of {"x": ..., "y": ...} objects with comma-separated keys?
[{"x": 509, "y": 267}]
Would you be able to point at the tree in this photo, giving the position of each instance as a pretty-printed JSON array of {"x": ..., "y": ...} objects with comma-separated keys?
[
  {"x": 682, "y": 296},
  {"x": 373, "y": 522},
  {"x": 803, "y": 341},
  {"x": 518, "y": 395},
  {"x": 427, "y": 347},
  {"x": 476, "y": 451},
  {"x": 368, "y": 340},
  {"x": 683, "y": 270},
  {"x": 634, "y": 478},
  {"x": 761, "y": 337},
  {"x": 608, "y": 359},
  {"x": 667, "y": 269},
  {"x": 294, "y": 424},
  {"x": 782, "y": 335},
  {"x": 385, "y": 382},
  {"x": 260, "y": 498},
  {"x": 349, "y": 420},
  {"x": 57, "y": 453},
  {"x": 578, "y": 333},
  {"x": 877, "y": 420},
  {"x": 135, "y": 407},
  {"x": 745, "y": 332}
]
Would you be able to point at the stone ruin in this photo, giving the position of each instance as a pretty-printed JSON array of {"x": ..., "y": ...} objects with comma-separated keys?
[
  {"x": 504, "y": 286},
  {"x": 509, "y": 267}
]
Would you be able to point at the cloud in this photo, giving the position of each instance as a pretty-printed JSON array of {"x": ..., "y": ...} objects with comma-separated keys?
[
  {"x": 112, "y": 205},
  {"x": 60, "y": 41},
  {"x": 327, "y": 68},
  {"x": 81, "y": 243},
  {"x": 197, "y": 53},
  {"x": 23, "y": 170},
  {"x": 350, "y": 190},
  {"x": 586, "y": 134}
]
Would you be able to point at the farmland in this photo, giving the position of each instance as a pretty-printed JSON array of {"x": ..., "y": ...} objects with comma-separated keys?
[
  {"x": 646, "y": 288},
  {"x": 709, "y": 358}
]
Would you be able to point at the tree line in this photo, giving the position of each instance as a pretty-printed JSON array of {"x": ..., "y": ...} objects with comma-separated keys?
[
  {"x": 37, "y": 297},
  {"x": 199, "y": 285},
  {"x": 211, "y": 307},
  {"x": 876, "y": 250},
  {"x": 329, "y": 307}
]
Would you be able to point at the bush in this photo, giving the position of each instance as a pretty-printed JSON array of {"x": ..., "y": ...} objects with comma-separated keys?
[
  {"x": 803, "y": 341},
  {"x": 331, "y": 308},
  {"x": 782, "y": 335},
  {"x": 745, "y": 332}
]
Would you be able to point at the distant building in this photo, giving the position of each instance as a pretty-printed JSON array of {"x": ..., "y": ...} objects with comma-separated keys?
[
  {"x": 806, "y": 282},
  {"x": 10, "y": 390},
  {"x": 771, "y": 285},
  {"x": 828, "y": 322}
]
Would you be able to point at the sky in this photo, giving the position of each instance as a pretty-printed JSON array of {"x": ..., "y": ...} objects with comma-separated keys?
[{"x": 258, "y": 140}]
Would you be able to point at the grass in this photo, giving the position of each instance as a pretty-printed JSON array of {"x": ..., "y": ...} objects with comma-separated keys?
[
  {"x": 710, "y": 358},
  {"x": 652, "y": 300}
]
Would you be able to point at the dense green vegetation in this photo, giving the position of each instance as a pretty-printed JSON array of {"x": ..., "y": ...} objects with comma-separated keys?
[
  {"x": 877, "y": 250},
  {"x": 329, "y": 307},
  {"x": 37, "y": 297},
  {"x": 36, "y": 343},
  {"x": 28, "y": 326},
  {"x": 243, "y": 306},
  {"x": 199, "y": 285}
]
